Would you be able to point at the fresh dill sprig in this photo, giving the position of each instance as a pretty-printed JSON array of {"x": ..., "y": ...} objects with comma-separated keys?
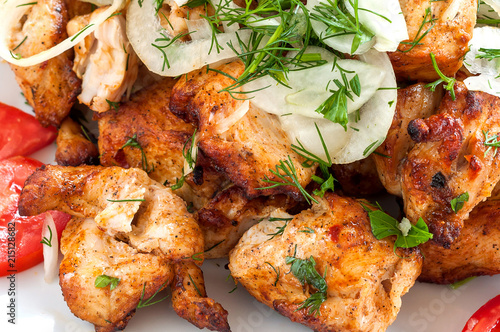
[
  {"x": 450, "y": 81},
  {"x": 488, "y": 53},
  {"x": 274, "y": 28},
  {"x": 190, "y": 155},
  {"x": 279, "y": 231},
  {"x": 277, "y": 271},
  {"x": 420, "y": 35},
  {"x": 305, "y": 271},
  {"x": 148, "y": 302},
  {"x": 287, "y": 173},
  {"x": 339, "y": 21},
  {"x": 491, "y": 142},
  {"x": 47, "y": 242},
  {"x": 133, "y": 143}
]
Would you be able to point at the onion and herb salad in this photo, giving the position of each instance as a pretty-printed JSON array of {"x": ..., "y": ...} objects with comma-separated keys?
[{"x": 316, "y": 64}]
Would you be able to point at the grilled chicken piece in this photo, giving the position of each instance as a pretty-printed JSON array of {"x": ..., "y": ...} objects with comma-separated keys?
[
  {"x": 73, "y": 148},
  {"x": 123, "y": 202},
  {"x": 246, "y": 149},
  {"x": 161, "y": 136},
  {"x": 105, "y": 61},
  {"x": 414, "y": 102},
  {"x": 50, "y": 87},
  {"x": 365, "y": 279},
  {"x": 89, "y": 253},
  {"x": 475, "y": 252},
  {"x": 446, "y": 28},
  {"x": 449, "y": 159},
  {"x": 230, "y": 214},
  {"x": 86, "y": 192},
  {"x": 77, "y": 8},
  {"x": 190, "y": 300},
  {"x": 359, "y": 178}
]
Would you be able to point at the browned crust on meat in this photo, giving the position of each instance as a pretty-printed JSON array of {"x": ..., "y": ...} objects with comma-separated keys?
[{"x": 51, "y": 87}]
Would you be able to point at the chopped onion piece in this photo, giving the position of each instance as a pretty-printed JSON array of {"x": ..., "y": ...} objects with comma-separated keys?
[
  {"x": 222, "y": 125},
  {"x": 10, "y": 15},
  {"x": 194, "y": 154},
  {"x": 483, "y": 37},
  {"x": 451, "y": 12},
  {"x": 181, "y": 3},
  {"x": 200, "y": 29},
  {"x": 485, "y": 83},
  {"x": 361, "y": 137},
  {"x": 144, "y": 31},
  {"x": 50, "y": 253},
  {"x": 495, "y": 4}
]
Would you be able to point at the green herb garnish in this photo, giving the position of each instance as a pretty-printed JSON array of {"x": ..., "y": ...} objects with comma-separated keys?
[
  {"x": 458, "y": 202},
  {"x": 104, "y": 280},
  {"x": 305, "y": 271}
]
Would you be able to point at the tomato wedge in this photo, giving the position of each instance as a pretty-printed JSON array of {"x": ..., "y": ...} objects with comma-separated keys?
[
  {"x": 20, "y": 246},
  {"x": 21, "y": 133},
  {"x": 486, "y": 319}
]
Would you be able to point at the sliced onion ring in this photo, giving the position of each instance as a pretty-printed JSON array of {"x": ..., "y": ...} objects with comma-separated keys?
[
  {"x": 50, "y": 253},
  {"x": 10, "y": 15},
  {"x": 144, "y": 29}
]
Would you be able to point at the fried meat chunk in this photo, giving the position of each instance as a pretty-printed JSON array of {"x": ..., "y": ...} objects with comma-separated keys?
[
  {"x": 123, "y": 202},
  {"x": 475, "y": 252},
  {"x": 415, "y": 101},
  {"x": 446, "y": 28},
  {"x": 90, "y": 253},
  {"x": 50, "y": 87},
  {"x": 450, "y": 159},
  {"x": 365, "y": 279},
  {"x": 144, "y": 133},
  {"x": 73, "y": 147},
  {"x": 230, "y": 214},
  {"x": 359, "y": 178},
  {"x": 190, "y": 300},
  {"x": 246, "y": 149},
  {"x": 105, "y": 61}
]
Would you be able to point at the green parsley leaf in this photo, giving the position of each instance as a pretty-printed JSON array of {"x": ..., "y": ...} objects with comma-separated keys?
[
  {"x": 383, "y": 225},
  {"x": 458, "y": 202},
  {"x": 325, "y": 185},
  {"x": 104, "y": 280}
]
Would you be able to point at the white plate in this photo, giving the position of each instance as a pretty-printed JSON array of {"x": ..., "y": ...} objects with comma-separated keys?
[{"x": 40, "y": 307}]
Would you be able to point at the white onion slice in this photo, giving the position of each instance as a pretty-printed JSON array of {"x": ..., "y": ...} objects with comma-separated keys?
[
  {"x": 50, "y": 253},
  {"x": 370, "y": 131},
  {"x": 452, "y": 10},
  {"x": 308, "y": 88},
  {"x": 495, "y": 4},
  {"x": 222, "y": 125},
  {"x": 483, "y": 37},
  {"x": 144, "y": 28},
  {"x": 200, "y": 29},
  {"x": 10, "y": 15},
  {"x": 485, "y": 83},
  {"x": 389, "y": 26}
]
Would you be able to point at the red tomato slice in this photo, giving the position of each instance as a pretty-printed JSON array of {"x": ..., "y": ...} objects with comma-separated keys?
[
  {"x": 21, "y": 133},
  {"x": 20, "y": 246},
  {"x": 486, "y": 319}
]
